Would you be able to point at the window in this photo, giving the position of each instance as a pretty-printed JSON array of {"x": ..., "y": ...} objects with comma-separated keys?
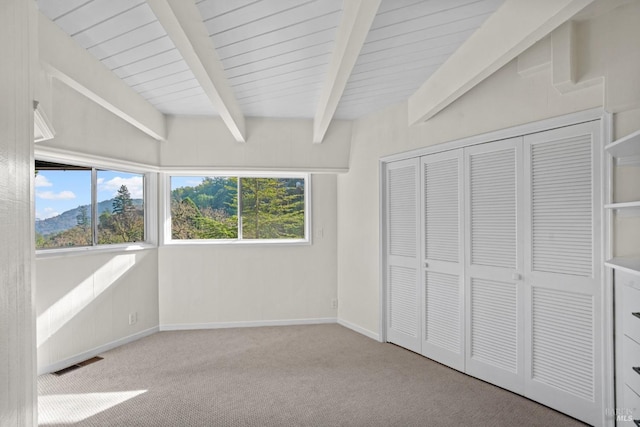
[
  {"x": 80, "y": 206},
  {"x": 239, "y": 208}
]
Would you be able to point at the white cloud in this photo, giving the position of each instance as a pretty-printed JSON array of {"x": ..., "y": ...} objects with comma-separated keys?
[
  {"x": 42, "y": 181},
  {"x": 50, "y": 195},
  {"x": 134, "y": 185},
  {"x": 47, "y": 213}
]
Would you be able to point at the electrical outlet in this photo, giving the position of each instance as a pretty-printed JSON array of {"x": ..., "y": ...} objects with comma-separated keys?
[
  {"x": 334, "y": 303},
  {"x": 133, "y": 318}
]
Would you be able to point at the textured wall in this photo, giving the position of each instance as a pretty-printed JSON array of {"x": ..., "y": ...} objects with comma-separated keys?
[{"x": 17, "y": 349}]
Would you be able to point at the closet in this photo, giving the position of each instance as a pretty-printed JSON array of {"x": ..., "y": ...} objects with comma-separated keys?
[{"x": 493, "y": 263}]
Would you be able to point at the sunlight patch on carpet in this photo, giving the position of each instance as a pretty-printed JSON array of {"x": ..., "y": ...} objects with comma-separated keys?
[{"x": 73, "y": 408}]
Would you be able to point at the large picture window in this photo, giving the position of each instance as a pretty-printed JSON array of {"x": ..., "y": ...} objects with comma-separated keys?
[
  {"x": 239, "y": 208},
  {"x": 82, "y": 206}
]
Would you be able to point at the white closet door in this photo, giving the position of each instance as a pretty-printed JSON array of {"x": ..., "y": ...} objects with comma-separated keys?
[
  {"x": 443, "y": 243},
  {"x": 493, "y": 285},
  {"x": 402, "y": 243},
  {"x": 562, "y": 264}
]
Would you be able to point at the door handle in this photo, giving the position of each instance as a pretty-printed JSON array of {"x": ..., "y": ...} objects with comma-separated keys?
[{"x": 516, "y": 276}]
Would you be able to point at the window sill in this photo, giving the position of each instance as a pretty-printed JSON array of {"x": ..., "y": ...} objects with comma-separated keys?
[
  {"x": 92, "y": 250},
  {"x": 265, "y": 242}
]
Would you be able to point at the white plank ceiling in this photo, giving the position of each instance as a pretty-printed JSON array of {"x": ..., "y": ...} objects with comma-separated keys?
[{"x": 275, "y": 53}]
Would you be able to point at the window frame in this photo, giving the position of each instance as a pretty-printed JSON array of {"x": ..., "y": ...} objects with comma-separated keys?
[
  {"x": 165, "y": 192},
  {"x": 96, "y": 164}
]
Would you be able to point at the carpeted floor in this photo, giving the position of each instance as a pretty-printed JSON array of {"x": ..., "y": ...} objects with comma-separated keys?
[{"x": 321, "y": 375}]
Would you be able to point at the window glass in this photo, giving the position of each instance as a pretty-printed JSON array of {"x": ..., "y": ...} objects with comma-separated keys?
[
  {"x": 207, "y": 208},
  {"x": 120, "y": 207},
  {"x": 65, "y": 212},
  {"x": 63, "y": 207},
  {"x": 204, "y": 207},
  {"x": 272, "y": 208}
]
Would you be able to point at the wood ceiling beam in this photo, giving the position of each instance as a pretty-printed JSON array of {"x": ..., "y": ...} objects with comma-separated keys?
[
  {"x": 65, "y": 60},
  {"x": 511, "y": 30},
  {"x": 182, "y": 21},
  {"x": 357, "y": 17}
]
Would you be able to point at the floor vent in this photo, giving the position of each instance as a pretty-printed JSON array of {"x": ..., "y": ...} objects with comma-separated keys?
[{"x": 77, "y": 366}]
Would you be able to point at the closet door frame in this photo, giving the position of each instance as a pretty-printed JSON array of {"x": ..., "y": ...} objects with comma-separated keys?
[{"x": 606, "y": 300}]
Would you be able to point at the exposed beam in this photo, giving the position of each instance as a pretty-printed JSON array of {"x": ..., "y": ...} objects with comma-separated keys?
[
  {"x": 181, "y": 19},
  {"x": 357, "y": 17},
  {"x": 64, "y": 59},
  {"x": 512, "y": 29}
]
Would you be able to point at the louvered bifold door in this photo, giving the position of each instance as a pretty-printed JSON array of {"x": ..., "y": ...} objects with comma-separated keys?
[
  {"x": 562, "y": 262},
  {"x": 493, "y": 258},
  {"x": 402, "y": 254},
  {"x": 443, "y": 243}
]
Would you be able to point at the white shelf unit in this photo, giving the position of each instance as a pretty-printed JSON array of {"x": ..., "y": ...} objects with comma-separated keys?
[
  {"x": 626, "y": 151},
  {"x": 623, "y": 205},
  {"x": 629, "y": 146},
  {"x": 628, "y": 265}
]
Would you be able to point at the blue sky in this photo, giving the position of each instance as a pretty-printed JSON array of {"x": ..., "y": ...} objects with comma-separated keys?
[
  {"x": 60, "y": 191},
  {"x": 185, "y": 181}
]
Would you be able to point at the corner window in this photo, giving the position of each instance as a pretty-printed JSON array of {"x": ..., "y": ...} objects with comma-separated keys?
[
  {"x": 80, "y": 206},
  {"x": 231, "y": 208}
]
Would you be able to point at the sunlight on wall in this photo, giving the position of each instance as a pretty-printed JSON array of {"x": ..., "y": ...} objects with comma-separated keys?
[
  {"x": 73, "y": 408},
  {"x": 67, "y": 307}
]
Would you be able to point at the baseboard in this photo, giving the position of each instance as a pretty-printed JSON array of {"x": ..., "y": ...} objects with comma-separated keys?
[
  {"x": 245, "y": 324},
  {"x": 96, "y": 351},
  {"x": 359, "y": 329}
]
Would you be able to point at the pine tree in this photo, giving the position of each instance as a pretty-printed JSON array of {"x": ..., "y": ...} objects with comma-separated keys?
[
  {"x": 122, "y": 204},
  {"x": 83, "y": 218},
  {"x": 125, "y": 223}
]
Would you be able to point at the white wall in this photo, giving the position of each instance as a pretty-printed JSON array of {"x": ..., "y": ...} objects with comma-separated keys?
[
  {"x": 83, "y": 300},
  {"x": 271, "y": 144},
  {"x": 607, "y": 46},
  {"x": 209, "y": 285},
  {"x": 17, "y": 355}
]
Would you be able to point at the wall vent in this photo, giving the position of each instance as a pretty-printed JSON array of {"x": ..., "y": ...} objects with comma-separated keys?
[{"x": 77, "y": 366}]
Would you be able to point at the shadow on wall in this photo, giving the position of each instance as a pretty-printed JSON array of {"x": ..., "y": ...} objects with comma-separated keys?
[{"x": 77, "y": 289}]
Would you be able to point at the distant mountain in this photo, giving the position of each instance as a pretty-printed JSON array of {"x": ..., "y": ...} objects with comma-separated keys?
[{"x": 68, "y": 219}]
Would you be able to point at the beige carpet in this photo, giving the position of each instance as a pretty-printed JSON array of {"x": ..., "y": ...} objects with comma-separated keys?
[{"x": 322, "y": 375}]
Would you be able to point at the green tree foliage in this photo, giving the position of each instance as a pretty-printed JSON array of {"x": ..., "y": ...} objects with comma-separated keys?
[
  {"x": 188, "y": 222},
  {"x": 215, "y": 193},
  {"x": 75, "y": 236},
  {"x": 272, "y": 208},
  {"x": 124, "y": 224}
]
